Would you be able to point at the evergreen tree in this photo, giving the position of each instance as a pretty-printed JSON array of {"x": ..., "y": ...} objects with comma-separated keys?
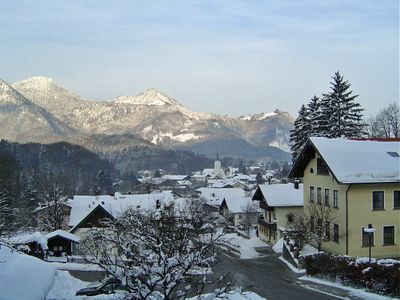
[
  {"x": 341, "y": 111},
  {"x": 300, "y": 133},
  {"x": 318, "y": 122}
]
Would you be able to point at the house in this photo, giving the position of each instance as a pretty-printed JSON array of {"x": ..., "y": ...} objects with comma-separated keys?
[
  {"x": 279, "y": 203},
  {"x": 60, "y": 242},
  {"x": 242, "y": 211},
  {"x": 90, "y": 211},
  {"x": 359, "y": 181}
]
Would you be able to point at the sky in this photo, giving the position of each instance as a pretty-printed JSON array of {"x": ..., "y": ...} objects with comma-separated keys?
[{"x": 227, "y": 57}]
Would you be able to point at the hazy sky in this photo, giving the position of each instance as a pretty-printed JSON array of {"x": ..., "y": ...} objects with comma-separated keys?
[{"x": 227, "y": 57}]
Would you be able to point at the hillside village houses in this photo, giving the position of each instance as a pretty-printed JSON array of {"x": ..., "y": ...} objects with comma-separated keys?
[
  {"x": 279, "y": 204},
  {"x": 360, "y": 181}
]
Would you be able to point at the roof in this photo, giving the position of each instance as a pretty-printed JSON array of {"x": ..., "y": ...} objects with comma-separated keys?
[
  {"x": 175, "y": 177},
  {"x": 216, "y": 195},
  {"x": 239, "y": 204},
  {"x": 282, "y": 195},
  {"x": 64, "y": 234},
  {"x": 115, "y": 205},
  {"x": 353, "y": 161}
]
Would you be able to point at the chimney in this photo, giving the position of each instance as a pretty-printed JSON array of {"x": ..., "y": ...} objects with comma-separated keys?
[{"x": 296, "y": 184}]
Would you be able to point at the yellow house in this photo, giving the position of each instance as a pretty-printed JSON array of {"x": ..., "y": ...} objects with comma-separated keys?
[
  {"x": 359, "y": 181},
  {"x": 279, "y": 203}
]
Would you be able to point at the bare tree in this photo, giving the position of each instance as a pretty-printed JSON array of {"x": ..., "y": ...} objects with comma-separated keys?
[
  {"x": 249, "y": 215},
  {"x": 52, "y": 199},
  {"x": 314, "y": 226},
  {"x": 386, "y": 123},
  {"x": 162, "y": 254}
]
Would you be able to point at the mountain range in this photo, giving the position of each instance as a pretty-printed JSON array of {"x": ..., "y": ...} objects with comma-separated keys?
[{"x": 38, "y": 110}]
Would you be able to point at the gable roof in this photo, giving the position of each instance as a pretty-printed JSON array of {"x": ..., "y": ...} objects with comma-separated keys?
[
  {"x": 282, "y": 195},
  {"x": 82, "y": 206},
  {"x": 61, "y": 233},
  {"x": 237, "y": 204},
  {"x": 352, "y": 161}
]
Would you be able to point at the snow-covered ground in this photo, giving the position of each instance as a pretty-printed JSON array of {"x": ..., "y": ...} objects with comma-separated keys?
[
  {"x": 360, "y": 293},
  {"x": 245, "y": 246},
  {"x": 24, "y": 277},
  {"x": 278, "y": 247}
]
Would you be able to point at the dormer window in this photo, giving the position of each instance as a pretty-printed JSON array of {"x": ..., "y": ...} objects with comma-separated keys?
[
  {"x": 322, "y": 168},
  {"x": 393, "y": 154}
]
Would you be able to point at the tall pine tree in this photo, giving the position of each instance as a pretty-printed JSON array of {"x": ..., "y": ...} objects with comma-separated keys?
[
  {"x": 318, "y": 122},
  {"x": 300, "y": 133},
  {"x": 343, "y": 114}
]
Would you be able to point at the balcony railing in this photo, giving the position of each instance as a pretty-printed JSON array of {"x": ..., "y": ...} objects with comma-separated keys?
[{"x": 269, "y": 226}]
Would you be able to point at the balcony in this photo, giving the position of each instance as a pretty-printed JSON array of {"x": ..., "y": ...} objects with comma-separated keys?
[{"x": 269, "y": 226}]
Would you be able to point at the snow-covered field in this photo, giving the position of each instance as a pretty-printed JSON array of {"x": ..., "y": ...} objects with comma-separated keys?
[{"x": 23, "y": 277}]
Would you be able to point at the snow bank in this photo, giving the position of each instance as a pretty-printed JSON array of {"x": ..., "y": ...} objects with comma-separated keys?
[
  {"x": 278, "y": 247},
  {"x": 359, "y": 293},
  {"x": 23, "y": 276},
  {"x": 308, "y": 250},
  {"x": 245, "y": 246}
]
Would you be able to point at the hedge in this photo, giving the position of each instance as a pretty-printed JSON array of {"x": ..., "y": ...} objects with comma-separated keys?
[{"x": 381, "y": 276}]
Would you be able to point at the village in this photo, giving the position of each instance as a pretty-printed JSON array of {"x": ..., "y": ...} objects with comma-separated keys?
[{"x": 339, "y": 203}]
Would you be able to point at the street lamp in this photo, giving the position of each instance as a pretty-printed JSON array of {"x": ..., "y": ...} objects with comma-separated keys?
[{"x": 370, "y": 230}]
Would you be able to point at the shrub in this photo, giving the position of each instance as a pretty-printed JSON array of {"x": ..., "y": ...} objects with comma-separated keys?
[{"x": 380, "y": 276}]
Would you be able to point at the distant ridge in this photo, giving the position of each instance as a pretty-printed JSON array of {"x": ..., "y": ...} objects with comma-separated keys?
[{"x": 152, "y": 118}]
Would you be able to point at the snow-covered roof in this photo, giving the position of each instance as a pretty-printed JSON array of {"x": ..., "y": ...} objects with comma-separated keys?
[
  {"x": 174, "y": 177},
  {"x": 215, "y": 196},
  {"x": 282, "y": 195},
  {"x": 64, "y": 234},
  {"x": 207, "y": 172},
  {"x": 360, "y": 161},
  {"x": 115, "y": 205},
  {"x": 239, "y": 204}
]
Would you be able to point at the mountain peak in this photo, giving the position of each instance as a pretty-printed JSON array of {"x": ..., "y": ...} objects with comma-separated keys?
[
  {"x": 36, "y": 82},
  {"x": 150, "y": 97}
]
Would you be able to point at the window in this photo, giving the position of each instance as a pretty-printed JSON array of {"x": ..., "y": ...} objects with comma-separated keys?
[
  {"x": 326, "y": 197},
  {"x": 378, "y": 199},
  {"x": 396, "y": 199},
  {"x": 322, "y": 168},
  {"x": 336, "y": 233},
  {"x": 388, "y": 235},
  {"x": 312, "y": 194},
  {"x": 240, "y": 216},
  {"x": 290, "y": 217},
  {"x": 327, "y": 231},
  {"x": 319, "y": 195},
  {"x": 365, "y": 238},
  {"x": 335, "y": 198}
]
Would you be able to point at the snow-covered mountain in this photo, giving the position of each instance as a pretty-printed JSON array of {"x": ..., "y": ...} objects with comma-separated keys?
[
  {"x": 151, "y": 116},
  {"x": 22, "y": 120}
]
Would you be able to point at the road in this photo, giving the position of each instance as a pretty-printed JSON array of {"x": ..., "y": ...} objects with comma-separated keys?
[{"x": 271, "y": 278}]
